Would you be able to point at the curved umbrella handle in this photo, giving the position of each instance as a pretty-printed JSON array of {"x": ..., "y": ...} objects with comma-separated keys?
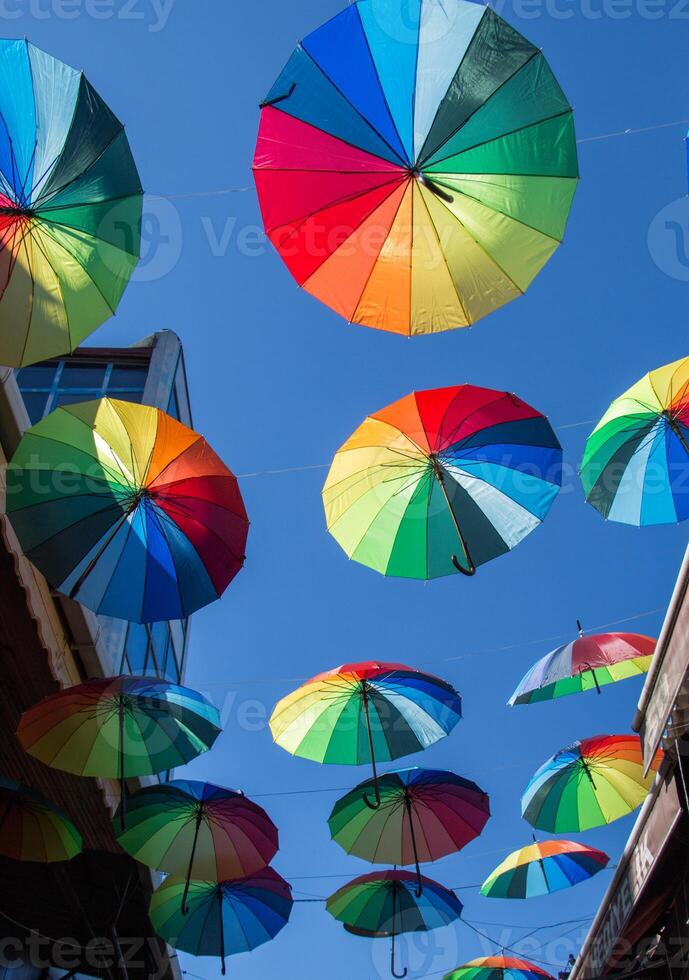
[
  {"x": 588, "y": 667},
  {"x": 399, "y": 976},
  {"x": 460, "y": 568},
  {"x": 376, "y": 804}
]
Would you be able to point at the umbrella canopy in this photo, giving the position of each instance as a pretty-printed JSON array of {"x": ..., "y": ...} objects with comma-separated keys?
[
  {"x": 585, "y": 664},
  {"x": 118, "y": 727},
  {"x": 223, "y": 917},
  {"x": 543, "y": 867},
  {"x": 365, "y": 713},
  {"x": 126, "y": 510},
  {"x": 385, "y": 904},
  {"x": 199, "y": 830},
  {"x": 498, "y": 968},
  {"x": 416, "y": 163},
  {"x": 636, "y": 460},
  {"x": 588, "y": 784},
  {"x": 70, "y": 207},
  {"x": 32, "y": 828},
  {"x": 424, "y": 815},
  {"x": 442, "y": 481}
]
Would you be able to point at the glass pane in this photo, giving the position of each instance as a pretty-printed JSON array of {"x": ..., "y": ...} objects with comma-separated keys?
[
  {"x": 160, "y": 633},
  {"x": 82, "y": 375},
  {"x": 38, "y": 375},
  {"x": 126, "y": 396},
  {"x": 173, "y": 407},
  {"x": 178, "y": 631},
  {"x": 66, "y": 398},
  {"x": 137, "y": 646},
  {"x": 128, "y": 376},
  {"x": 35, "y": 402}
]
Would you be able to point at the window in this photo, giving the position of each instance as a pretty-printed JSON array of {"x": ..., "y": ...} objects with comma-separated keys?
[{"x": 47, "y": 386}]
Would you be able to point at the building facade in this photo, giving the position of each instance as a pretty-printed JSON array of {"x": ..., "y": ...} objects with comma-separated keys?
[
  {"x": 89, "y": 916},
  {"x": 642, "y": 927}
]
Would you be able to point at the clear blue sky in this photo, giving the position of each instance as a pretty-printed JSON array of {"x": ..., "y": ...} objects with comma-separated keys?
[{"x": 278, "y": 381}]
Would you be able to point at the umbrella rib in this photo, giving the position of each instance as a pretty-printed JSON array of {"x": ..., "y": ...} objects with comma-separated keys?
[
  {"x": 496, "y": 210},
  {"x": 444, "y": 257},
  {"x": 77, "y": 177},
  {"x": 61, "y": 245},
  {"x": 359, "y": 114}
]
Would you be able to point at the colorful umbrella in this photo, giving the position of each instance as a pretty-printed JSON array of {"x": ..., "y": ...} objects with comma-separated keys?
[
  {"x": 198, "y": 830},
  {"x": 424, "y": 815},
  {"x": 416, "y": 163},
  {"x": 636, "y": 463},
  {"x": 365, "y": 713},
  {"x": 498, "y": 968},
  {"x": 126, "y": 510},
  {"x": 588, "y": 784},
  {"x": 119, "y": 727},
  {"x": 385, "y": 904},
  {"x": 224, "y": 917},
  {"x": 584, "y": 664},
  {"x": 442, "y": 481},
  {"x": 70, "y": 207},
  {"x": 543, "y": 867},
  {"x": 32, "y": 828}
]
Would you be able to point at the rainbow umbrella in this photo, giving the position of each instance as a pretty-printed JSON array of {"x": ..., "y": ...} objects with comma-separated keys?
[
  {"x": 224, "y": 917},
  {"x": 70, "y": 206},
  {"x": 424, "y": 814},
  {"x": 364, "y": 713},
  {"x": 119, "y": 727},
  {"x": 584, "y": 664},
  {"x": 416, "y": 163},
  {"x": 126, "y": 510},
  {"x": 442, "y": 481},
  {"x": 543, "y": 867},
  {"x": 32, "y": 828},
  {"x": 498, "y": 968},
  {"x": 588, "y": 784},
  {"x": 635, "y": 463},
  {"x": 199, "y": 830},
  {"x": 385, "y": 903}
]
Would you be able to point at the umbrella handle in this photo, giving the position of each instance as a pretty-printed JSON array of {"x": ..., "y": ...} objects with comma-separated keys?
[
  {"x": 399, "y": 976},
  {"x": 460, "y": 568},
  {"x": 433, "y": 187},
  {"x": 471, "y": 570},
  {"x": 199, "y": 818},
  {"x": 375, "y": 805},
  {"x": 593, "y": 674},
  {"x": 279, "y": 98},
  {"x": 419, "y": 880}
]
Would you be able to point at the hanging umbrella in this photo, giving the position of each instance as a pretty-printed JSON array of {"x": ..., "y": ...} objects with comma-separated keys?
[
  {"x": 198, "y": 830},
  {"x": 365, "y": 713},
  {"x": 585, "y": 664},
  {"x": 543, "y": 867},
  {"x": 588, "y": 784},
  {"x": 32, "y": 828},
  {"x": 224, "y": 917},
  {"x": 119, "y": 727},
  {"x": 636, "y": 460},
  {"x": 416, "y": 163},
  {"x": 498, "y": 968},
  {"x": 385, "y": 904},
  {"x": 70, "y": 207},
  {"x": 424, "y": 815},
  {"x": 126, "y": 510},
  {"x": 442, "y": 481}
]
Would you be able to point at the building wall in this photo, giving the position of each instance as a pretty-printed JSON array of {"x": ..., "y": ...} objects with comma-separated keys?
[{"x": 151, "y": 372}]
